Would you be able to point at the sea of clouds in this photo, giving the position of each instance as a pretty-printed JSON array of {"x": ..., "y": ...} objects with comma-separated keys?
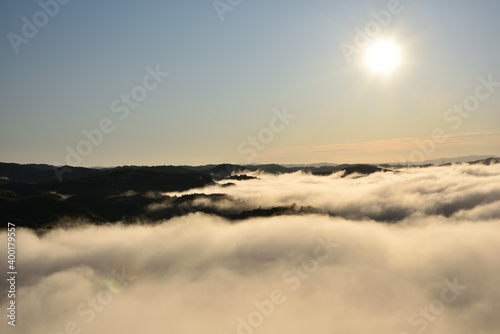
[{"x": 415, "y": 251}]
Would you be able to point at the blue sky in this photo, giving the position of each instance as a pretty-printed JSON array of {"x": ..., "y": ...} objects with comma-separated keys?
[{"x": 228, "y": 79}]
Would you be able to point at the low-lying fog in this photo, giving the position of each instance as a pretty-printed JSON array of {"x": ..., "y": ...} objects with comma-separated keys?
[{"x": 433, "y": 270}]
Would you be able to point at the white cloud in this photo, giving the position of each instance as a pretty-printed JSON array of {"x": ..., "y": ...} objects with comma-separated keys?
[
  {"x": 380, "y": 196},
  {"x": 201, "y": 274}
]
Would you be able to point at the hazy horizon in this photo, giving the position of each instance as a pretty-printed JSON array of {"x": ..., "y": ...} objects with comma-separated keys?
[{"x": 469, "y": 158}]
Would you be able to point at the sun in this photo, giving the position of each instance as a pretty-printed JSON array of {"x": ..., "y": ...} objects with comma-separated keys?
[{"x": 383, "y": 56}]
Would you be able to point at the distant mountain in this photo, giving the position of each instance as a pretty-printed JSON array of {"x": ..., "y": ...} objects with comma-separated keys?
[
  {"x": 272, "y": 169},
  {"x": 320, "y": 164},
  {"x": 362, "y": 169},
  {"x": 32, "y": 196},
  {"x": 120, "y": 180},
  {"x": 444, "y": 161},
  {"x": 488, "y": 161},
  {"x": 161, "y": 169},
  {"x": 225, "y": 170},
  {"x": 33, "y": 173},
  {"x": 104, "y": 196}
]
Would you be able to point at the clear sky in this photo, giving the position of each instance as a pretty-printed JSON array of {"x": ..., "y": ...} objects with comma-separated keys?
[{"x": 248, "y": 81}]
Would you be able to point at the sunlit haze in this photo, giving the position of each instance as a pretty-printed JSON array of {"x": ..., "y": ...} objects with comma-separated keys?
[{"x": 362, "y": 81}]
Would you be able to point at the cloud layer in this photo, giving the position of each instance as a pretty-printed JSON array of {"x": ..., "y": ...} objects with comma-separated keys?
[
  {"x": 433, "y": 271},
  {"x": 449, "y": 191}
]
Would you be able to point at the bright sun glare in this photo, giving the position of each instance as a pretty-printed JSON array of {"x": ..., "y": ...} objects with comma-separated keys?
[{"x": 383, "y": 56}]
